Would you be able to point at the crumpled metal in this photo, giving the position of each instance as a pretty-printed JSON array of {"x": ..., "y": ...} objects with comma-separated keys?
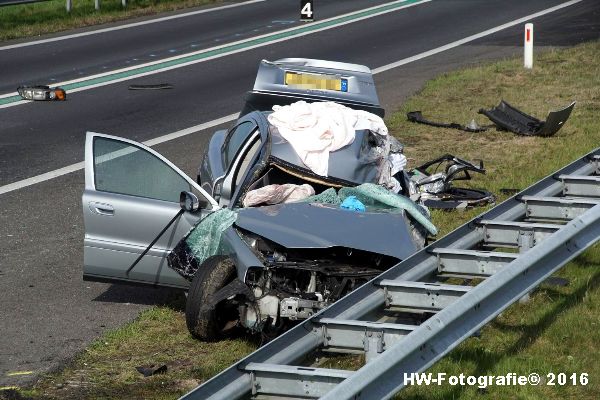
[{"x": 387, "y": 152}]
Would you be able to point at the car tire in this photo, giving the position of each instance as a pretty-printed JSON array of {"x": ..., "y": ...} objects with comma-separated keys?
[{"x": 212, "y": 275}]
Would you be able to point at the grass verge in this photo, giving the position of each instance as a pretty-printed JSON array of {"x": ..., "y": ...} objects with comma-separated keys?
[
  {"x": 34, "y": 19},
  {"x": 557, "y": 331}
]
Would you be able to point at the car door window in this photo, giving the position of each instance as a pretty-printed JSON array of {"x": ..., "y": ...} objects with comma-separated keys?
[
  {"x": 235, "y": 140},
  {"x": 123, "y": 168}
]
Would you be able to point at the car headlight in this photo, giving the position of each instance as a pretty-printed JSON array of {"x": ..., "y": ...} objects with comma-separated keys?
[{"x": 42, "y": 93}]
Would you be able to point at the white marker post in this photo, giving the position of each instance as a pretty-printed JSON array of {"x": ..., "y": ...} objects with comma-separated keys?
[{"x": 528, "y": 56}]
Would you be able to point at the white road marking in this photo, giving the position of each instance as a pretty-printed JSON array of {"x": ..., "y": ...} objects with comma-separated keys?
[
  {"x": 80, "y": 165},
  {"x": 134, "y": 24},
  {"x": 190, "y": 130},
  {"x": 161, "y": 139},
  {"x": 16, "y": 103},
  {"x": 472, "y": 37},
  {"x": 41, "y": 178}
]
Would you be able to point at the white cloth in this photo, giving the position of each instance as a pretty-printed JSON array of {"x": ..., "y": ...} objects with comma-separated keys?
[
  {"x": 315, "y": 129},
  {"x": 276, "y": 194}
]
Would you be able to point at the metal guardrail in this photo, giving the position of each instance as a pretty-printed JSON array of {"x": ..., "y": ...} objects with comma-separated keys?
[
  {"x": 68, "y": 4},
  {"x": 14, "y": 2},
  {"x": 549, "y": 223}
]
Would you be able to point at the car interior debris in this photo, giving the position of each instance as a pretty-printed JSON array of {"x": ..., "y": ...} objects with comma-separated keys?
[{"x": 436, "y": 189}]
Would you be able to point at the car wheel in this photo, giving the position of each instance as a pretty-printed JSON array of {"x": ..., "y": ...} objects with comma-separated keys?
[{"x": 209, "y": 322}]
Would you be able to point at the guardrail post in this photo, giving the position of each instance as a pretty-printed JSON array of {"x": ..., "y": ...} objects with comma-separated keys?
[
  {"x": 97, "y": 4},
  {"x": 124, "y": 3},
  {"x": 69, "y": 5}
]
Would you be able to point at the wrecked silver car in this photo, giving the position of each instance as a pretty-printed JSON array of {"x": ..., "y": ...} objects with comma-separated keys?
[{"x": 266, "y": 235}]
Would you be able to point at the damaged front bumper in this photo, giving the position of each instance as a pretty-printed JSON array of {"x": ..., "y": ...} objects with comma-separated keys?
[{"x": 511, "y": 119}]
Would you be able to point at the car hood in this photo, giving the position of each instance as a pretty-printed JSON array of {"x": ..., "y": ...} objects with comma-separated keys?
[{"x": 315, "y": 225}]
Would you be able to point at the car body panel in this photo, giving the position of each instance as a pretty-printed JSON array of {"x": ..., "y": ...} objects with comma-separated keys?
[
  {"x": 113, "y": 243},
  {"x": 316, "y": 225},
  {"x": 119, "y": 226},
  {"x": 361, "y": 88},
  {"x": 239, "y": 251}
]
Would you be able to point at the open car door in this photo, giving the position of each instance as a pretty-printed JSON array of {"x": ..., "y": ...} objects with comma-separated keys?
[{"x": 131, "y": 193}]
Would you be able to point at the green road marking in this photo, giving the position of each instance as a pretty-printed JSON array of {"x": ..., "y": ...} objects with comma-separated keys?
[
  {"x": 223, "y": 50},
  {"x": 11, "y": 99}
]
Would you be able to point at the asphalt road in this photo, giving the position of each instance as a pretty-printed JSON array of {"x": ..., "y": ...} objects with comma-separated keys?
[
  {"x": 47, "y": 312},
  {"x": 39, "y": 137},
  {"x": 87, "y": 55}
]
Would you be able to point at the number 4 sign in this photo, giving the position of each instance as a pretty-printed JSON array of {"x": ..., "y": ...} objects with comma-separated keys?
[{"x": 306, "y": 10}]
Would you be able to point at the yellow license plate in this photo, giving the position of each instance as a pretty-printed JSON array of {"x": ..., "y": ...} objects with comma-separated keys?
[{"x": 312, "y": 81}]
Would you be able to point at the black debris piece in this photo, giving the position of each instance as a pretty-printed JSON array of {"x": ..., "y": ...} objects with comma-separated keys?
[
  {"x": 511, "y": 119},
  {"x": 151, "y": 370},
  {"x": 417, "y": 116},
  {"x": 151, "y": 87},
  {"x": 182, "y": 260}
]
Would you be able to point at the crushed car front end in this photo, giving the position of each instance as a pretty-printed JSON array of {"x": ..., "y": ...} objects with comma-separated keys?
[{"x": 295, "y": 259}]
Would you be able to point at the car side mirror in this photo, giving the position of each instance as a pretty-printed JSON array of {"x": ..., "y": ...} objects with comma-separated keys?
[{"x": 190, "y": 202}]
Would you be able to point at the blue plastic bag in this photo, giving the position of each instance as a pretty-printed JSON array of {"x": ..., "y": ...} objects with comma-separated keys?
[{"x": 353, "y": 204}]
